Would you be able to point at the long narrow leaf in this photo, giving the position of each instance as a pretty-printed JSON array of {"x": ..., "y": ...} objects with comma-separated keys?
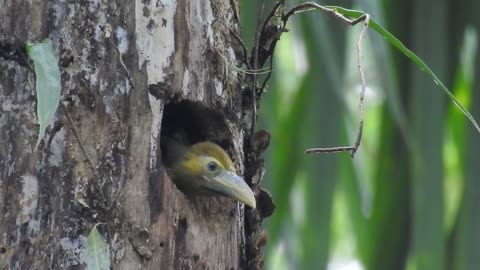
[{"x": 47, "y": 82}]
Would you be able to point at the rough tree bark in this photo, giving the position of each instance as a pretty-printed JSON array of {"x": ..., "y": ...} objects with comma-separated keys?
[{"x": 125, "y": 66}]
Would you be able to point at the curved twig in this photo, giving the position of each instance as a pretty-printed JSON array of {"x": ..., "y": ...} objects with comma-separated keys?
[{"x": 364, "y": 84}]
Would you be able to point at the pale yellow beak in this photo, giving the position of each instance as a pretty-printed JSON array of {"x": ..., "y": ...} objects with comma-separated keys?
[{"x": 233, "y": 186}]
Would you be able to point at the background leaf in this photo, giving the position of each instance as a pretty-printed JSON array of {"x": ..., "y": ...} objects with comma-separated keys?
[
  {"x": 412, "y": 56},
  {"x": 409, "y": 199}
]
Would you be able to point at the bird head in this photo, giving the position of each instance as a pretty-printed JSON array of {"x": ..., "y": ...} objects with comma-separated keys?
[{"x": 205, "y": 168}]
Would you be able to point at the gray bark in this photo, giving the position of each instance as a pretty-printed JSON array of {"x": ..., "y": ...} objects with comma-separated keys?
[{"x": 121, "y": 64}]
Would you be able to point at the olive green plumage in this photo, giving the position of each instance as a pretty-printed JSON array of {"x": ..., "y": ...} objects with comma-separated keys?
[{"x": 204, "y": 169}]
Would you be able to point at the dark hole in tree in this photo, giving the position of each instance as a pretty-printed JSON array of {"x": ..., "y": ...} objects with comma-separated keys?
[
  {"x": 191, "y": 122},
  {"x": 187, "y": 122}
]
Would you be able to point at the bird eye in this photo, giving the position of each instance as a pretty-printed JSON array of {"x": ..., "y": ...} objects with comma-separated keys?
[{"x": 212, "y": 166}]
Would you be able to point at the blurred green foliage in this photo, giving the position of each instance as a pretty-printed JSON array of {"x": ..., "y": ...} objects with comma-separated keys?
[{"x": 410, "y": 199}]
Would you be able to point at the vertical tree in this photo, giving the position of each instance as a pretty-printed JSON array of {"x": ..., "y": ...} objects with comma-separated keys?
[{"x": 130, "y": 72}]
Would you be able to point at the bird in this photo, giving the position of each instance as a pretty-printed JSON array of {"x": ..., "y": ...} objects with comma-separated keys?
[{"x": 204, "y": 169}]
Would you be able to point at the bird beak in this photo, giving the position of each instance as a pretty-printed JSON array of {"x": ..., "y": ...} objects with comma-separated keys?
[{"x": 232, "y": 185}]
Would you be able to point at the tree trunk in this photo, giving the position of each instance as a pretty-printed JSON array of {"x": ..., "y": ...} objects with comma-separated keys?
[{"x": 131, "y": 71}]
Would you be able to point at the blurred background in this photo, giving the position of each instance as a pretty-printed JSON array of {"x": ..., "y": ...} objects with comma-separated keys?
[{"x": 410, "y": 199}]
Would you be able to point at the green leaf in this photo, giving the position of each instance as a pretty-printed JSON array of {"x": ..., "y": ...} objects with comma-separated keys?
[
  {"x": 47, "y": 84},
  {"x": 98, "y": 255},
  {"x": 455, "y": 140},
  {"x": 419, "y": 62}
]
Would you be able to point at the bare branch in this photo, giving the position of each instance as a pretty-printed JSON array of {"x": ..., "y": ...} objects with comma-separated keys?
[
  {"x": 264, "y": 84},
  {"x": 329, "y": 150},
  {"x": 310, "y": 6},
  {"x": 255, "y": 66},
  {"x": 364, "y": 84},
  {"x": 271, "y": 15},
  {"x": 244, "y": 49}
]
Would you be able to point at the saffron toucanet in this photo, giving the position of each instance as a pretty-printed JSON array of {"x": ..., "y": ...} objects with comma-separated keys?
[{"x": 204, "y": 168}]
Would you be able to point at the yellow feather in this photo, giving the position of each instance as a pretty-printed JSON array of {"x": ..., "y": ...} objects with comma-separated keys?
[{"x": 212, "y": 150}]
